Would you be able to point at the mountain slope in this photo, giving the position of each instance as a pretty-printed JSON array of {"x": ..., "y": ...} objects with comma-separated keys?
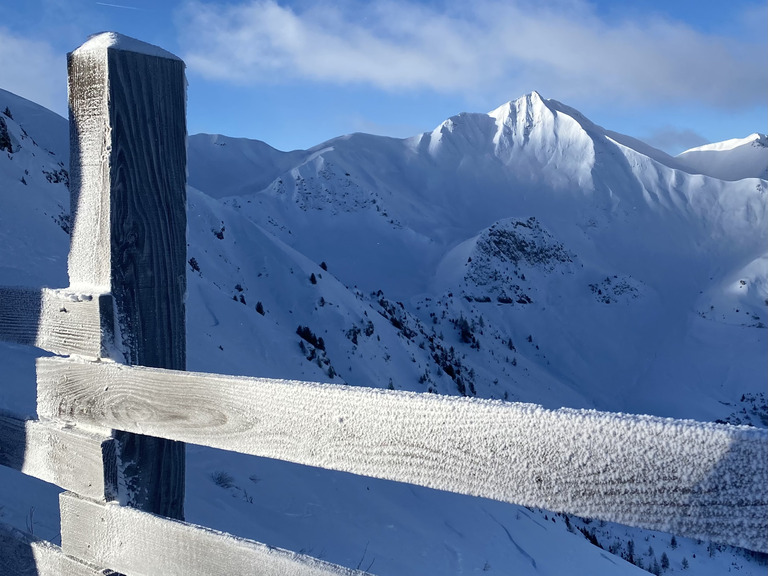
[
  {"x": 391, "y": 216},
  {"x": 34, "y": 193},
  {"x": 229, "y": 166}
]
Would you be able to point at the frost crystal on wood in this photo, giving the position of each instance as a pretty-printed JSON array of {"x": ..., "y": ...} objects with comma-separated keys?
[
  {"x": 691, "y": 478},
  {"x": 128, "y": 172}
]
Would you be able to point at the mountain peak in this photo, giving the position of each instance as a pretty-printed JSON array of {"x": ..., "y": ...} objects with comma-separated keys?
[
  {"x": 542, "y": 138},
  {"x": 528, "y": 102}
]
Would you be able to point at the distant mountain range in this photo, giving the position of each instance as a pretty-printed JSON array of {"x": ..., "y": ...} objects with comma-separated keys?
[
  {"x": 525, "y": 254},
  {"x": 528, "y": 221}
]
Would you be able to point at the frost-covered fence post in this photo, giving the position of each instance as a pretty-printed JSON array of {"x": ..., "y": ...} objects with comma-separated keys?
[{"x": 127, "y": 103}]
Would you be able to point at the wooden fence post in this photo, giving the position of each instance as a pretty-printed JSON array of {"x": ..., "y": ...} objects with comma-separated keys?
[{"x": 127, "y": 103}]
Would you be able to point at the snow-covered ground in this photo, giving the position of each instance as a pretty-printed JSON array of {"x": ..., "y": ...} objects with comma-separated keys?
[{"x": 526, "y": 254}]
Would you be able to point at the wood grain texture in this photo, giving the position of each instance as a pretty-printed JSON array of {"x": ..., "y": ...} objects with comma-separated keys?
[
  {"x": 22, "y": 554},
  {"x": 140, "y": 544},
  {"x": 148, "y": 206},
  {"x": 75, "y": 460},
  {"x": 694, "y": 479},
  {"x": 128, "y": 158},
  {"x": 59, "y": 321},
  {"x": 128, "y": 155}
]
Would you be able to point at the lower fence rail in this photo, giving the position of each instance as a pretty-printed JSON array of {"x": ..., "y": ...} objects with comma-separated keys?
[
  {"x": 138, "y": 543},
  {"x": 694, "y": 479},
  {"x": 22, "y": 554},
  {"x": 83, "y": 462}
]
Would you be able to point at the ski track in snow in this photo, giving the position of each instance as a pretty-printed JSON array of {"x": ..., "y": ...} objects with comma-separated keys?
[{"x": 522, "y": 552}]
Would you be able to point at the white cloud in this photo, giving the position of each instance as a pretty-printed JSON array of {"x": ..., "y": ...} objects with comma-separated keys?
[
  {"x": 34, "y": 70},
  {"x": 482, "y": 50}
]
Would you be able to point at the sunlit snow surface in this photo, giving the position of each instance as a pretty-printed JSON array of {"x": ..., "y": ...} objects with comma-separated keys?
[
  {"x": 647, "y": 289},
  {"x": 730, "y": 160},
  {"x": 114, "y": 41}
]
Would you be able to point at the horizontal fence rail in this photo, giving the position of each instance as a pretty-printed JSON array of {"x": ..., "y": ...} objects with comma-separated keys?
[
  {"x": 110, "y": 535},
  {"x": 694, "y": 479},
  {"x": 70, "y": 458},
  {"x": 59, "y": 321},
  {"x": 25, "y": 555}
]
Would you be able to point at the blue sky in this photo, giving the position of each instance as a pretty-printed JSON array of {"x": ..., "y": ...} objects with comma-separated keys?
[{"x": 675, "y": 73}]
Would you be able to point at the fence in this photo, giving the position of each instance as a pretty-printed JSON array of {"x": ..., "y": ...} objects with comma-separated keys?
[{"x": 114, "y": 414}]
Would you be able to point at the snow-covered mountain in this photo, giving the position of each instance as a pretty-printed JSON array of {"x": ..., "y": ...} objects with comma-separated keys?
[
  {"x": 525, "y": 254},
  {"x": 650, "y": 259},
  {"x": 730, "y": 160}
]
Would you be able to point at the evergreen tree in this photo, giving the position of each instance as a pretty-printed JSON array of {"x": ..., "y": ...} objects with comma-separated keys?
[{"x": 5, "y": 138}]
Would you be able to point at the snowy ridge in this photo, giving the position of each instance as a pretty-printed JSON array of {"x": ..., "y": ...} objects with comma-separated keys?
[
  {"x": 757, "y": 140},
  {"x": 733, "y": 159},
  {"x": 214, "y": 159}
]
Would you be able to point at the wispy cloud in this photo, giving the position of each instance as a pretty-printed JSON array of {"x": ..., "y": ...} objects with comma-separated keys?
[
  {"x": 563, "y": 48},
  {"x": 34, "y": 70}
]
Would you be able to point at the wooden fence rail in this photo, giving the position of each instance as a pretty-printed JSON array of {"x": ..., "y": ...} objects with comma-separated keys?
[
  {"x": 24, "y": 555},
  {"x": 136, "y": 542},
  {"x": 76, "y": 460},
  {"x": 691, "y": 478},
  {"x": 123, "y": 395},
  {"x": 59, "y": 321}
]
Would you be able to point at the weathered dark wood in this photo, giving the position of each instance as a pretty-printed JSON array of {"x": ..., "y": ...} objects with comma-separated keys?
[
  {"x": 695, "y": 479},
  {"x": 24, "y": 555},
  {"x": 59, "y": 321},
  {"x": 128, "y": 171},
  {"x": 73, "y": 459},
  {"x": 142, "y": 544}
]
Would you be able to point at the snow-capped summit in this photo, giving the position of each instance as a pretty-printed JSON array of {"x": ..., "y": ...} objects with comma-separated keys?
[{"x": 537, "y": 136}]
